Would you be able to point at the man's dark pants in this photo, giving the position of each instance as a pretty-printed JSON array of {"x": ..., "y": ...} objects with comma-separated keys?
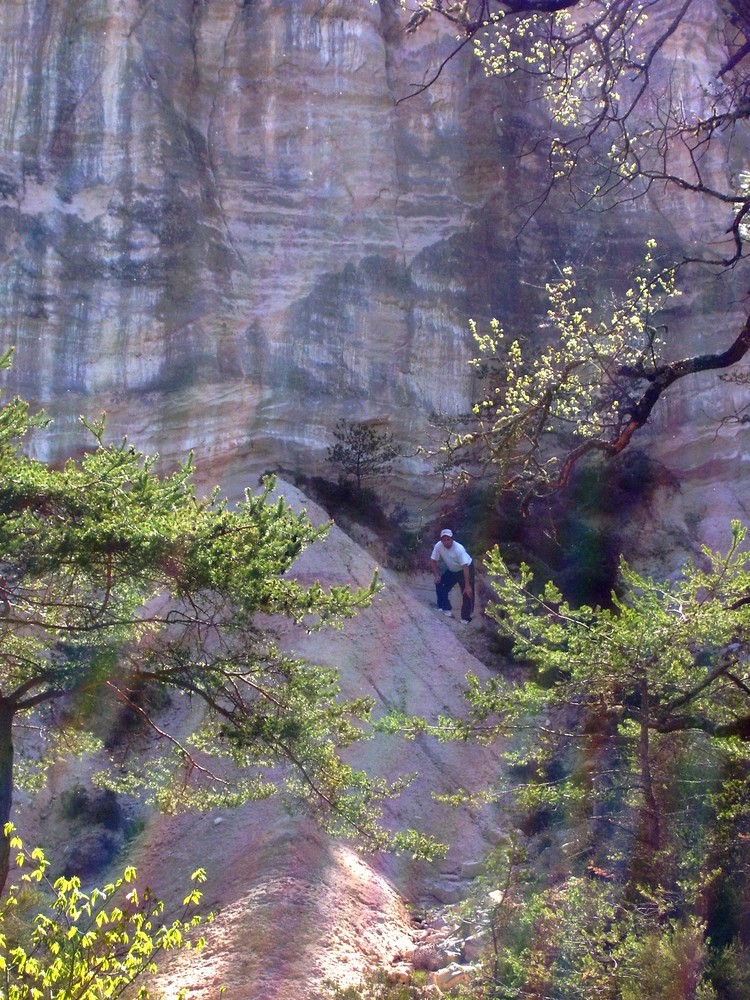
[{"x": 447, "y": 582}]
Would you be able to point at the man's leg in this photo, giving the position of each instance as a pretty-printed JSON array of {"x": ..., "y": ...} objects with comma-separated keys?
[
  {"x": 440, "y": 594},
  {"x": 467, "y": 603},
  {"x": 443, "y": 588}
]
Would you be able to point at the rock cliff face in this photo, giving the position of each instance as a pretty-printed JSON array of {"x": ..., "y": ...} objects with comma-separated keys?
[{"x": 218, "y": 225}]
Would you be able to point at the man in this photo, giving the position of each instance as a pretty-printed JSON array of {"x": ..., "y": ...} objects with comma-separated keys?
[{"x": 452, "y": 564}]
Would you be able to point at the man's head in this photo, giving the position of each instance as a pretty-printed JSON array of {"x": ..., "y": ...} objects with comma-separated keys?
[{"x": 446, "y": 537}]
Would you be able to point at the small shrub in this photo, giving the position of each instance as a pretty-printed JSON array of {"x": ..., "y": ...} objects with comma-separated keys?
[
  {"x": 62, "y": 943},
  {"x": 729, "y": 972},
  {"x": 342, "y": 502},
  {"x": 361, "y": 451},
  {"x": 91, "y": 808}
]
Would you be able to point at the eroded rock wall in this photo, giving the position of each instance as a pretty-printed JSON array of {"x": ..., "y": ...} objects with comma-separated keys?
[{"x": 219, "y": 224}]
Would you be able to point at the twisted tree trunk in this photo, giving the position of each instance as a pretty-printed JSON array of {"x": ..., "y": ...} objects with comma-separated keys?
[{"x": 7, "y": 714}]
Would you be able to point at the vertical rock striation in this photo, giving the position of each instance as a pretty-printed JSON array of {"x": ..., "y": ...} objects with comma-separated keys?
[{"x": 218, "y": 223}]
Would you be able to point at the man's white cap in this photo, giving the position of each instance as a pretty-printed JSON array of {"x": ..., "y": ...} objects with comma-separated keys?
[{"x": 446, "y": 531}]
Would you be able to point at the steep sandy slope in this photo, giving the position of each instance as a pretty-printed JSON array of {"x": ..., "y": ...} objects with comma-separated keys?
[{"x": 296, "y": 908}]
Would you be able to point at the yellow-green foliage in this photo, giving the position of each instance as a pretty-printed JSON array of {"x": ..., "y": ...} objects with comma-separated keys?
[
  {"x": 585, "y": 62},
  {"x": 85, "y": 945},
  {"x": 538, "y": 403}
]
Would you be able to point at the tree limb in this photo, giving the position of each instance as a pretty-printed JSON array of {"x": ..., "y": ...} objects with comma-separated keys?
[{"x": 660, "y": 380}]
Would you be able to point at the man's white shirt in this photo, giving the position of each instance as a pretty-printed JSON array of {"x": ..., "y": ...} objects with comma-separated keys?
[{"x": 454, "y": 558}]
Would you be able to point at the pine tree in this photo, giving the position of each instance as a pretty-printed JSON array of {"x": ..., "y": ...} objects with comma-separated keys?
[
  {"x": 117, "y": 581},
  {"x": 361, "y": 451}
]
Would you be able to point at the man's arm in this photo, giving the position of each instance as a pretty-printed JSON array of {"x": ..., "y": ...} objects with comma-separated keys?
[
  {"x": 435, "y": 569},
  {"x": 467, "y": 579}
]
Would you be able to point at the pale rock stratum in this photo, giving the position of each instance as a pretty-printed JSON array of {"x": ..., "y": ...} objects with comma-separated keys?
[
  {"x": 297, "y": 909},
  {"x": 220, "y": 223}
]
